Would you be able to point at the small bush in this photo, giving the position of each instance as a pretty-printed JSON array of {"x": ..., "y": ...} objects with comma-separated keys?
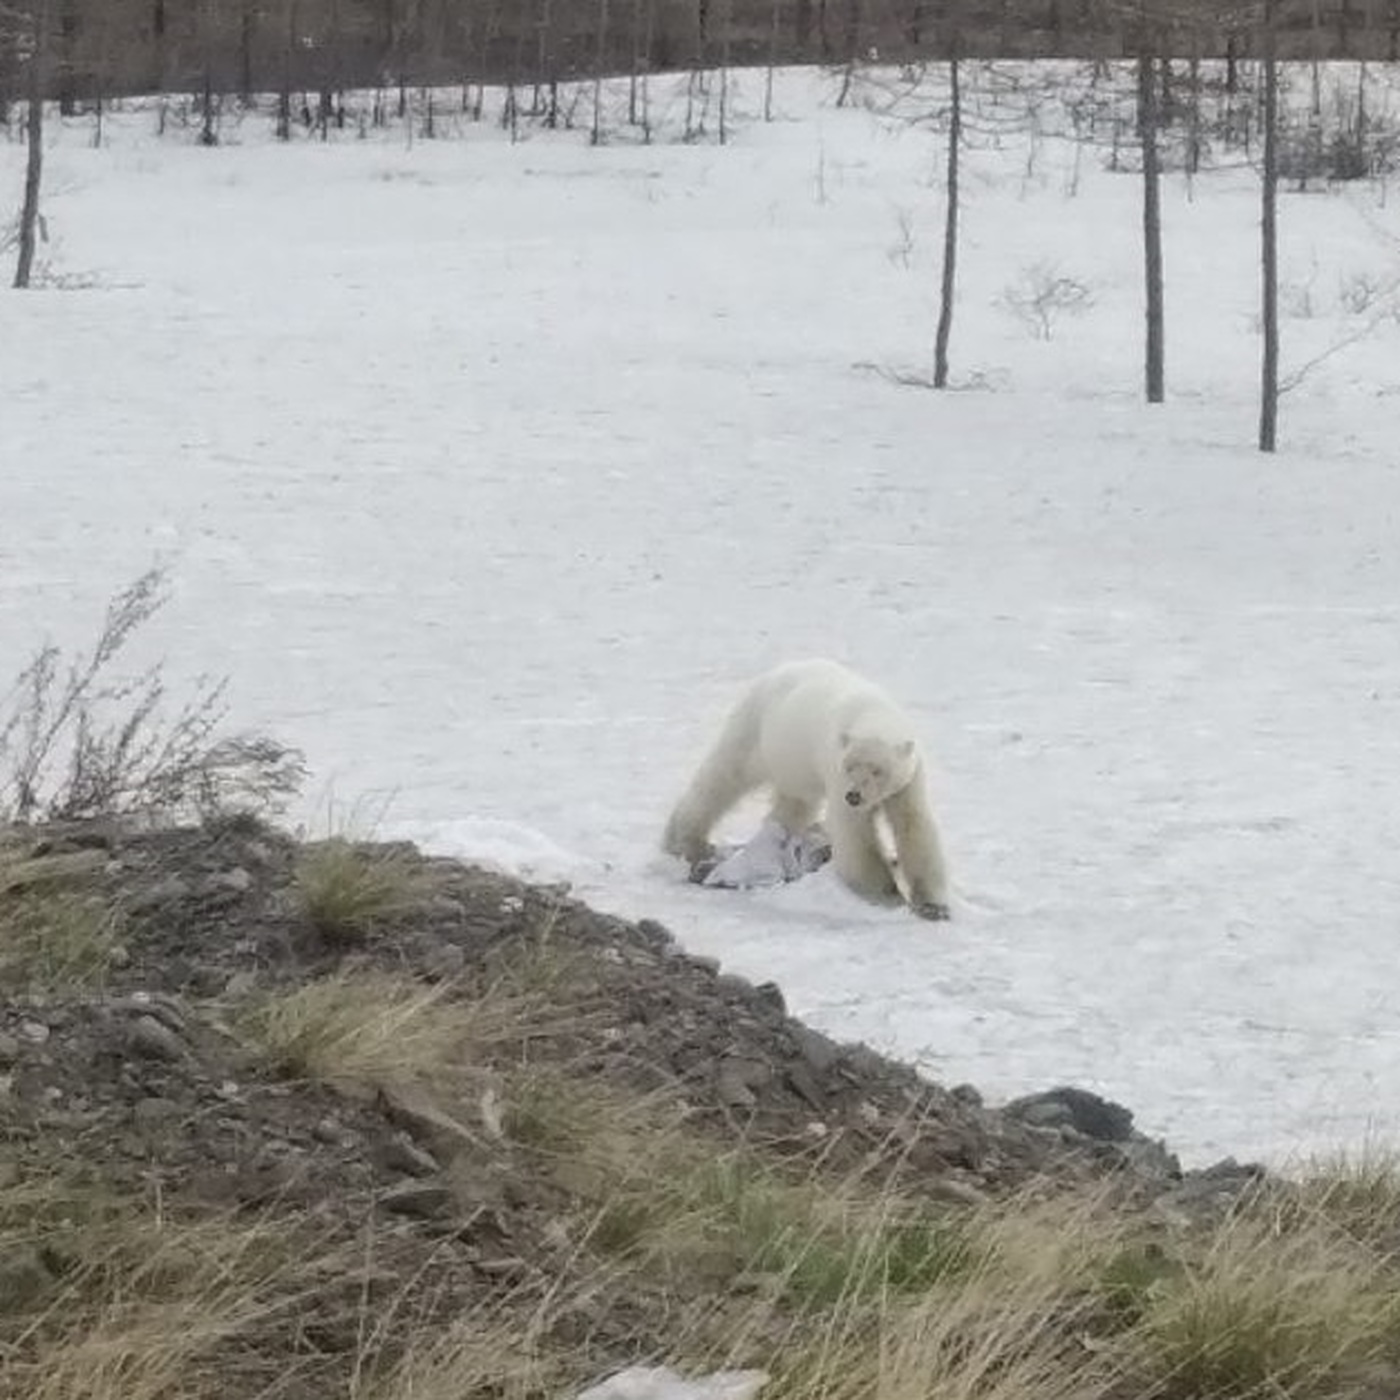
[
  {"x": 1268, "y": 1312},
  {"x": 79, "y": 741},
  {"x": 361, "y": 1028},
  {"x": 56, "y": 939},
  {"x": 1042, "y": 294},
  {"x": 346, "y": 891}
]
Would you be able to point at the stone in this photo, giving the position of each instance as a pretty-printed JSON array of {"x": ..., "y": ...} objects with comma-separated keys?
[
  {"x": 9, "y": 1050},
  {"x": 23, "y": 1277},
  {"x": 222, "y": 883},
  {"x": 819, "y": 1051},
  {"x": 36, "y": 1032},
  {"x": 1080, "y": 1109},
  {"x": 411, "y": 1109},
  {"x": 801, "y": 1081},
  {"x": 423, "y": 1200},
  {"x": 149, "y": 1112},
  {"x": 154, "y": 1040},
  {"x": 735, "y": 1081},
  {"x": 402, "y": 1154},
  {"x": 241, "y": 983},
  {"x": 444, "y": 961},
  {"x": 171, "y": 890}
]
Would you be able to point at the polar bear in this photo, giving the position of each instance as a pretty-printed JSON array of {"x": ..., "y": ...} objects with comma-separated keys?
[{"x": 819, "y": 735}]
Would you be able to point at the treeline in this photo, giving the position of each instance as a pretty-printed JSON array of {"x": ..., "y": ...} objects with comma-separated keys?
[{"x": 113, "y": 48}]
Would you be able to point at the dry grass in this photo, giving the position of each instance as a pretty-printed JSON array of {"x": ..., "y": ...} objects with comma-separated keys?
[
  {"x": 838, "y": 1290},
  {"x": 1295, "y": 1310},
  {"x": 56, "y": 939},
  {"x": 356, "y": 1029},
  {"x": 126, "y": 1303},
  {"x": 346, "y": 890},
  {"x": 1360, "y": 1193}
]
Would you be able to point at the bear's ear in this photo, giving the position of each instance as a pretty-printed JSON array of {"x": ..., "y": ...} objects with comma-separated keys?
[
  {"x": 906, "y": 749},
  {"x": 844, "y": 739}
]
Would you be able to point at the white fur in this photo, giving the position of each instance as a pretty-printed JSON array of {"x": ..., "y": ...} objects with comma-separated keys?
[{"x": 812, "y": 732}]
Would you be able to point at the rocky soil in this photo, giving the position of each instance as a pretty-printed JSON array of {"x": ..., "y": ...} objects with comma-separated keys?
[{"x": 134, "y": 1074}]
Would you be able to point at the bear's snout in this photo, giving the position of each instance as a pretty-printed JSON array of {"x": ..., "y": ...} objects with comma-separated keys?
[{"x": 853, "y": 798}]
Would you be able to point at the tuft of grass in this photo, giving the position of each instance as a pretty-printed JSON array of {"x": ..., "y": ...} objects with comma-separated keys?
[
  {"x": 363, "y": 1028},
  {"x": 346, "y": 890},
  {"x": 1289, "y": 1310},
  {"x": 53, "y": 939},
  {"x": 1358, "y": 1192}
]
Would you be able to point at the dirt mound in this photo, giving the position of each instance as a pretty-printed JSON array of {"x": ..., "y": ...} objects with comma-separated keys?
[{"x": 156, "y": 1041}]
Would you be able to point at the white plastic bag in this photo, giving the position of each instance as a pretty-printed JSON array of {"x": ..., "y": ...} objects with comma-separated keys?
[
  {"x": 662, "y": 1383},
  {"x": 773, "y": 855}
]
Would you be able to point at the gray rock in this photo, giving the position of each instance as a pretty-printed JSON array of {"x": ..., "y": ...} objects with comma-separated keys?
[
  {"x": 36, "y": 1032},
  {"x": 402, "y": 1154},
  {"x": 736, "y": 1079},
  {"x": 171, "y": 890},
  {"x": 149, "y": 1112},
  {"x": 23, "y": 1276},
  {"x": 154, "y": 1040},
  {"x": 236, "y": 881},
  {"x": 444, "y": 961},
  {"x": 411, "y": 1109},
  {"x": 9, "y": 1050},
  {"x": 423, "y": 1200},
  {"x": 1080, "y": 1109},
  {"x": 819, "y": 1051}
]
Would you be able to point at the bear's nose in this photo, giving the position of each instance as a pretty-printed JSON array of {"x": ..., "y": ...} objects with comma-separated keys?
[{"x": 853, "y": 798}]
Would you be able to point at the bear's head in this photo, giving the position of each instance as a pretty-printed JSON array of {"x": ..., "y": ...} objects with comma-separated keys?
[{"x": 874, "y": 768}]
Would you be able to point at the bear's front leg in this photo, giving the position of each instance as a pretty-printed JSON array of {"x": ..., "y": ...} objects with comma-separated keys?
[
  {"x": 919, "y": 851},
  {"x": 856, "y": 855}
]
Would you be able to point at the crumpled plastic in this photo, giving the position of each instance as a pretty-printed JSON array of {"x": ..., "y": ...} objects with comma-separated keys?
[
  {"x": 662, "y": 1383},
  {"x": 773, "y": 855}
]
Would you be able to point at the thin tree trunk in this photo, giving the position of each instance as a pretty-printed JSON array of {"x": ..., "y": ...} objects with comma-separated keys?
[
  {"x": 284, "y": 98},
  {"x": 67, "y": 66},
  {"x": 247, "y": 24},
  {"x": 1148, "y": 117},
  {"x": 725, "y": 54},
  {"x": 595, "y": 135},
  {"x": 773, "y": 18},
  {"x": 34, "y": 133},
  {"x": 1268, "y": 226},
  {"x": 950, "y": 230},
  {"x": 209, "y": 131},
  {"x": 636, "y": 62},
  {"x": 158, "y": 22}
]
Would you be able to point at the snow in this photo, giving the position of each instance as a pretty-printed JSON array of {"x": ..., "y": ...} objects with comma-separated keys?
[{"x": 489, "y": 473}]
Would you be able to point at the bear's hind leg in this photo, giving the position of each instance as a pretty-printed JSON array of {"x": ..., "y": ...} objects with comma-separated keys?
[
  {"x": 717, "y": 787},
  {"x": 857, "y": 857}
]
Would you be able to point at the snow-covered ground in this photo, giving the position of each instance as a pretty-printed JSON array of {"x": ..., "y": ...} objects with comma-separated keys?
[{"x": 489, "y": 472}]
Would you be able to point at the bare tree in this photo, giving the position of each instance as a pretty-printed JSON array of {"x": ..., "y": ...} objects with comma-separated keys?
[
  {"x": 595, "y": 135},
  {"x": 209, "y": 17},
  {"x": 1268, "y": 227},
  {"x": 950, "y": 227},
  {"x": 289, "y": 56},
  {"x": 1149, "y": 120},
  {"x": 34, "y": 134},
  {"x": 726, "y": 27},
  {"x": 774, "y": 15}
]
